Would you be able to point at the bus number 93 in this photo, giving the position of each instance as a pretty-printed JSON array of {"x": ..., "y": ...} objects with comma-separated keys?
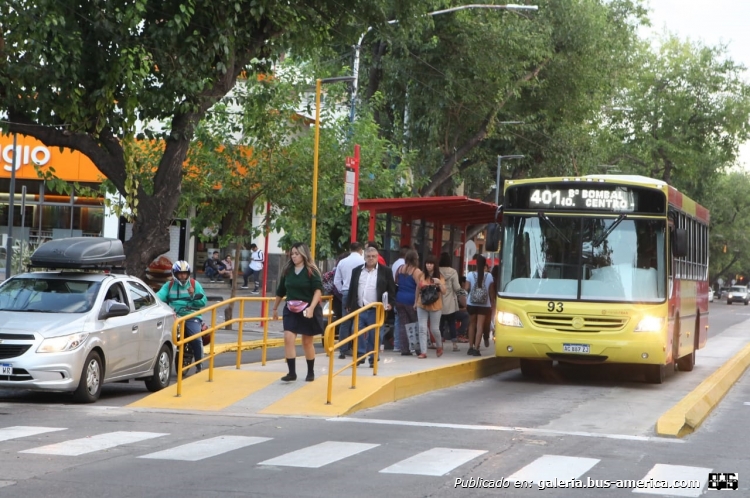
[{"x": 555, "y": 306}]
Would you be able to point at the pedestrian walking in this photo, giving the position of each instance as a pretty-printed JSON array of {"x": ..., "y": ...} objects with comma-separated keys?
[
  {"x": 302, "y": 285},
  {"x": 342, "y": 281},
  {"x": 407, "y": 277},
  {"x": 429, "y": 303},
  {"x": 450, "y": 299},
  {"x": 370, "y": 283},
  {"x": 254, "y": 268},
  {"x": 480, "y": 286}
]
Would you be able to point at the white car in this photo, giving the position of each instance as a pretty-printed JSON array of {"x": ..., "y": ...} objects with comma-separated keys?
[
  {"x": 710, "y": 295},
  {"x": 73, "y": 331}
]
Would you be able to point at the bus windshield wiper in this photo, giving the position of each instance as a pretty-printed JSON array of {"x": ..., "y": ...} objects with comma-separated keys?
[
  {"x": 544, "y": 217},
  {"x": 608, "y": 231}
]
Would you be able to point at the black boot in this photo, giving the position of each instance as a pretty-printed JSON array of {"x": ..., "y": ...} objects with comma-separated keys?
[
  {"x": 291, "y": 363},
  {"x": 310, "y": 370}
]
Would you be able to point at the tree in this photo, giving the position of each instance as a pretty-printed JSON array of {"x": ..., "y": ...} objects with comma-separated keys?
[
  {"x": 730, "y": 225},
  {"x": 449, "y": 89},
  {"x": 686, "y": 112},
  {"x": 83, "y": 75}
]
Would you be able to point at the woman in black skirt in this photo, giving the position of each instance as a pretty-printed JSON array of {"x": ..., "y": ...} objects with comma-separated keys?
[{"x": 302, "y": 285}]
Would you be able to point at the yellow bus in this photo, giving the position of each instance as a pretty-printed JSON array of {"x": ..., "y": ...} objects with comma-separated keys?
[{"x": 602, "y": 269}]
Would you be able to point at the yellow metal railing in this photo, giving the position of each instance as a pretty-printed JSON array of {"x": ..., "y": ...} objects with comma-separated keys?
[
  {"x": 179, "y": 326},
  {"x": 331, "y": 347}
]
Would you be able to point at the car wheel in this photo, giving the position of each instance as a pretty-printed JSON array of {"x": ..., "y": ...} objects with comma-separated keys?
[
  {"x": 90, "y": 385},
  {"x": 729, "y": 302},
  {"x": 162, "y": 369}
]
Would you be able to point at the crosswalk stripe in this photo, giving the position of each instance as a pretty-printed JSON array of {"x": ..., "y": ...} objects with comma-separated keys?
[
  {"x": 76, "y": 447},
  {"x": 672, "y": 473},
  {"x": 551, "y": 467},
  {"x": 18, "y": 431},
  {"x": 198, "y": 450},
  {"x": 314, "y": 457},
  {"x": 434, "y": 462}
]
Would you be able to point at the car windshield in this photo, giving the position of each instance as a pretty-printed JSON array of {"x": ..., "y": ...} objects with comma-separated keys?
[
  {"x": 738, "y": 289},
  {"x": 48, "y": 295},
  {"x": 595, "y": 259}
]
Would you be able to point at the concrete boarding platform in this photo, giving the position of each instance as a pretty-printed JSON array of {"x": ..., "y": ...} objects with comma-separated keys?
[{"x": 257, "y": 389}]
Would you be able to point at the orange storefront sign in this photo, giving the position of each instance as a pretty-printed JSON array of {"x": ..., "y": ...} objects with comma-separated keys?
[{"x": 69, "y": 165}]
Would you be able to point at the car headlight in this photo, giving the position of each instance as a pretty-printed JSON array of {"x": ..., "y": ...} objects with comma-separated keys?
[
  {"x": 650, "y": 324},
  {"x": 63, "y": 343},
  {"x": 508, "y": 319},
  {"x": 729, "y": 295}
]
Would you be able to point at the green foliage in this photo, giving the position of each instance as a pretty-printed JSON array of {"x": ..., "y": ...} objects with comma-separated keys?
[
  {"x": 686, "y": 113},
  {"x": 729, "y": 205}
]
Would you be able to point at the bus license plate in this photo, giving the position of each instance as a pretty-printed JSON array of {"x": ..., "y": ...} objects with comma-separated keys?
[
  {"x": 6, "y": 369},
  {"x": 576, "y": 348}
]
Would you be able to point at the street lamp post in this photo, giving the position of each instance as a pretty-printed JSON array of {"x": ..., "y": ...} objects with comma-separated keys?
[
  {"x": 358, "y": 46},
  {"x": 498, "y": 186},
  {"x": 318, "y": 84}
]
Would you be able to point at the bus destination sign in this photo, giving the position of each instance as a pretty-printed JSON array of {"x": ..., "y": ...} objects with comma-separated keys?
[{"x": 620, "y": 199}]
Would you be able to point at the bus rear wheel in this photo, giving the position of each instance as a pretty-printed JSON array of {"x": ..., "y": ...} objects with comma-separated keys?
[
  {"x": 534, "y": 368},
  {"x": 655, "y": 374}
]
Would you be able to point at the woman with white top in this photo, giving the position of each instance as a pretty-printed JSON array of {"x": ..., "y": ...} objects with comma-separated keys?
[{"x": 479, "y": 311}]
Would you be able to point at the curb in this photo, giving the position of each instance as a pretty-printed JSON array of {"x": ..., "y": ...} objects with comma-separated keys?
[
  {"x": 374, "y": 391},
  {"x": 690, "y": 412}
]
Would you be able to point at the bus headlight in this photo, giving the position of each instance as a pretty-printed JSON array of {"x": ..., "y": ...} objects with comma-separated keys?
[
  {"x": 508, "y": 319},
  {"x": 650, "y": 324}
]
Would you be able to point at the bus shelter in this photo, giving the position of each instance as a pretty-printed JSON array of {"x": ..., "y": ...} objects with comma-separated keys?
[{"x": 439, "y": 220}]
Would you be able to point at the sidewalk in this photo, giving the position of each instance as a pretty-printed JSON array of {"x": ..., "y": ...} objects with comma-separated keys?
[{"x": 257, "y": 389}]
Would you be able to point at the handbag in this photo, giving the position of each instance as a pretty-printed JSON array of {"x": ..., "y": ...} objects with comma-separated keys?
[
  {"x": 296, "y": 306},
  {"x": 429, "y": 294},
  {"x": 412, "y": 334}
]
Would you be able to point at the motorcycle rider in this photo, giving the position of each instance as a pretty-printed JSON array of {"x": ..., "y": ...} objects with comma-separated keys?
[{"x": 179, "y": 295}]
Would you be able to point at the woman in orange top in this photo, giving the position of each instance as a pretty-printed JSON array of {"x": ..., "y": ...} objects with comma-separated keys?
[{"x": 429, "y": 314}]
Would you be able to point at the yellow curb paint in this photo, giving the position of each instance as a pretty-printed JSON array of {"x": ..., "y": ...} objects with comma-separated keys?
[
  {"x": 373, "y": 391},
  {"x": 227, "y": 388},
  {"x": 246, "y": 345},
  {"x": 692, "y": 410}
]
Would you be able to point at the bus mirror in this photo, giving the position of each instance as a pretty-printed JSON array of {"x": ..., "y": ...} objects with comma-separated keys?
[
  {"x": 492, "y": 243},
  {"x": 680, "y": 243}
]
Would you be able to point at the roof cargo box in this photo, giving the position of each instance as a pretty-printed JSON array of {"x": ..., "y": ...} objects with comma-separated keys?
[{"x": 79, "y": 253}]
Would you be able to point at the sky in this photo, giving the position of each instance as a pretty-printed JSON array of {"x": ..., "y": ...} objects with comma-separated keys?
[{"x": 713, "y": 22}]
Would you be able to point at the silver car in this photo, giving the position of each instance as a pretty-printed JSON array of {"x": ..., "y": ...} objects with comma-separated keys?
[{"x": 74, "y": 331}]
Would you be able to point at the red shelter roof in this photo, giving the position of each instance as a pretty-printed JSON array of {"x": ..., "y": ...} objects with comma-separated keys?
[{"x": 453, "y": 210}]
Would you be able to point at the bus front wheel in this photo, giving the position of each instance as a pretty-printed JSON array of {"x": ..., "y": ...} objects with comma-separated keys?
[
  {"x": 655, "y": 374},
  {"x": 534, "y": 368}
]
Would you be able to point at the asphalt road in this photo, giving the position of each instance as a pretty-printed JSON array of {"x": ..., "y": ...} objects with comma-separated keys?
[{"x": 579, "y": 427}]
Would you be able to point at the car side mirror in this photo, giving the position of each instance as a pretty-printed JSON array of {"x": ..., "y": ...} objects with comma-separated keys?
[
  {"x": 114, "y": 309},
  {"x": 197, "y": 297}
]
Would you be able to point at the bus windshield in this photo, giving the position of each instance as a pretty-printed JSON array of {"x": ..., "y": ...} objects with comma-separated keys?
[{"x": 588, "y": 258}]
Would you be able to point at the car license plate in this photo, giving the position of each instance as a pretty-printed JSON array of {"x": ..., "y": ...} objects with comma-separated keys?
[
  {"x": 576, "y": 348},
  {"x": 6, "y": 369}
]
